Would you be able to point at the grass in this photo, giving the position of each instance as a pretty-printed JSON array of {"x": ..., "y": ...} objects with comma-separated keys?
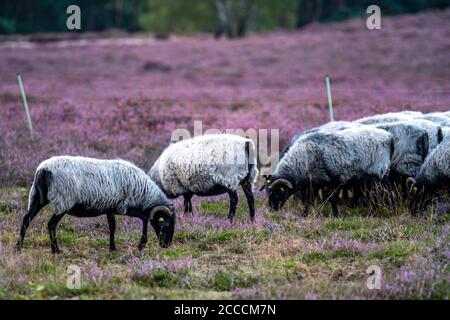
[{"x": 282, "y": 255}]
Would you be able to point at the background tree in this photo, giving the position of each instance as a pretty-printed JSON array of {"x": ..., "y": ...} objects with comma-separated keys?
[{"x": 233, "y": 18}]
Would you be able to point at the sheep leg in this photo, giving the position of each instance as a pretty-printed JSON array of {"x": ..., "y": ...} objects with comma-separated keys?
[
  {"x": 233, "y": 204},
  {"x": 112, "y": 230},
  {"x": 246, "y": 186},
  {"x": 34, "y": 209},
  {"x": 53, "y": 222},
  {"x": 187, "y": 202},
  {"x": 333, "y": 196},
  {"x": 144, "y": 234},
  {"x": 357, "y": 193},
  {"x": 306, "y": 201},
  {"x": 334, "y": 204}
]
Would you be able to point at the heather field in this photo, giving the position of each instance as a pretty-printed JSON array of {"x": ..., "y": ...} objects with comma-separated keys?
[{"x": 122, "y": 98}]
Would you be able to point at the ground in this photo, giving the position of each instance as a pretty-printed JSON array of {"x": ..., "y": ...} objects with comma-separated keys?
[
  {"x": 124, "y": 98},
  {"x": 282, "y": 255}
]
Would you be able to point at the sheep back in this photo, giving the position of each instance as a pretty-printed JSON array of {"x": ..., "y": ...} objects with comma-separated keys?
[
  {"x": 199, "y": 164},
  {"x": 98, "y": 184}
]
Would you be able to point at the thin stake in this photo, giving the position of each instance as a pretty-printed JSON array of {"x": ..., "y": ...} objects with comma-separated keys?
[
  {"x": 24, "y": 97},
  {"x": 330, "y": 100}
]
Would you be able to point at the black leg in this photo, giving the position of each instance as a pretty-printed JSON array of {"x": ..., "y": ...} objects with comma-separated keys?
[
  {"x": 112, "y": 230},
  {"x": 306, "y": 201},
  {"x": 187, "y": 202},
  {"x": 246, "y": 186},
  {"x": 233, "y": 204},
  {"x": 52, "y": 231},
  {"x": 34, "y": 209},
  {"x": 334, "y": 203},
  {"x": 357, "y": 192},
  {"x": 144, "y": 234}
]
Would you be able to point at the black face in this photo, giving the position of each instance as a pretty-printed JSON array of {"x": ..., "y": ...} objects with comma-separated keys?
[
  {"x": 278, "y": 196},
  {"x": 164, "y": 226},
  {"x": 278, "y": 193}
]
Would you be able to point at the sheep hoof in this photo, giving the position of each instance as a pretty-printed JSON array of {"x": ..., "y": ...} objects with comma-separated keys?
[{"x": 19, "y": 246}]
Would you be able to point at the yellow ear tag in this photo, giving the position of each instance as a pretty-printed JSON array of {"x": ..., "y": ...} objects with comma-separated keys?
[
  {"x": 282, "y": 189},
  {"x": 415, "y": 189},
  {"x": 161, "y": 219},
  {"x": 268, "y": 181}
]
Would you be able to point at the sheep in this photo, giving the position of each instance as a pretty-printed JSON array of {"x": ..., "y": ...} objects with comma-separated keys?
[
  {"x": 410, "y": 150},
  {"x": 290, "y": 144},
  {"x": 440, "y": 120},
  {"x": 446, "y": 133},
  {"x": 208, "y": 165},
  {"x": 87, "y": 187},
  {"x": 327, "y": 127},
  {"x": 332, "y": 160},
  {"x": 435, "y": 135},
  {"x": 433, "y": 175},
  {"x": 386, "y": 118},
  {"x": 440, "y": 114},
  {"x": 410, "y": 147}
]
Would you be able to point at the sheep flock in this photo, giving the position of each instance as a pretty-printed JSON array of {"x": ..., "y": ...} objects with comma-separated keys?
[{"x": 341, "y": 162}]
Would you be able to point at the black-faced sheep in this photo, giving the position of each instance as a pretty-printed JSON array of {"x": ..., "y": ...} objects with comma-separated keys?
[
  {"x": 330, "y": 160},
  {"x": 206, "y": 166},
  {"x": 85, "y": 187},
  {"x": 433, "y": 176}
]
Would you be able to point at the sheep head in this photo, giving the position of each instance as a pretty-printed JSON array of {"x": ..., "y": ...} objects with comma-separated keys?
[{"x": 278, "y": 191}]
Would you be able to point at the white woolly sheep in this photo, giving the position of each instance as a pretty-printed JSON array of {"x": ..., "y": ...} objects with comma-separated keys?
[
  {"x": 410, "y": 147},
  {"x": 434, "y": 131},
  {"x": 434, "y": 175},
  {"x": 440, "y": 120},
  {"x": 206, "y": 166},
  {"x": 86, "y": 187},
  {"x": 386, "y": 118},
  {"x": 331, "y": 160}
]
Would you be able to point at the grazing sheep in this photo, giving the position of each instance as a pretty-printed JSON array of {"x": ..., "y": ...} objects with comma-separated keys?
[
  {"x": 434, "y": 174},
  {"x": 291, "y": 143},
  {"x": 440, "y": 114},
  {"x": 86, "y": 187},
  {"x": 410, "y": 113},
  {"x": 386, "y": 118},
  {"x": 410, "y": 147},
  {"x": 327, "y": 127},
  {"x": 206, "y": 166},
  {"x": 330, "y": 160},
  {"x": 437, "y": 119},
  {"x": 446, "y": 133},
  {"x": 435, "y": 135}
]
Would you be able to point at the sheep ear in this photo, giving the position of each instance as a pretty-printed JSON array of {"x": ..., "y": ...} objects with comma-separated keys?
[{"x": 163, "y": 209}]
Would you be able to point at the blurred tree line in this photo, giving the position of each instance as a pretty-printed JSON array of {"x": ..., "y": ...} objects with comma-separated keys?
[{"x": 233, "y": 18}]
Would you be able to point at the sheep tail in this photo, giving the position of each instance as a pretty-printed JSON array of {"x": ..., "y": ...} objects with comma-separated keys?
[{"x": 38, "y": 192}]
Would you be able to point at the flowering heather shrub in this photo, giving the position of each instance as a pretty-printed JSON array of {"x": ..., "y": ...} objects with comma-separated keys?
[
  {"x": 97, "y": 275},
  {"x": 161, "y": 273},
  {"x": 104, "y": 101}
]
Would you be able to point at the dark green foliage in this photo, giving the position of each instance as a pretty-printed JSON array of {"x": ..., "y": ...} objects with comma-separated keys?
[{"x": 181, "y": 16}]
